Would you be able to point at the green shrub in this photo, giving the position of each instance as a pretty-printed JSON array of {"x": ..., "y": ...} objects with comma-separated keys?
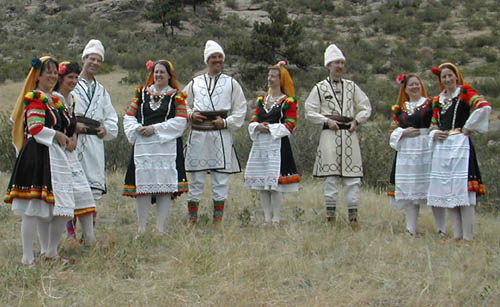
[
  {"x": 475, "y": 23},
  {"x": 377, "y": 155},
  {"x": 487, "y": 148},
  {"x": 434, "y": 12},
  {"x": 486, "y": 70},
  {"x": 482, "y": 41},
  {"x": 382, "y": 94},
  {"x": 391, "y": 23},
  {"x": 304, "y": 142},
  {"x": 8, "y": 153},
  {"x": 231, "y": 4},
  {"x": 343, "y": 10},
  {"x": 118, "y": 150},
  {"x": 489, "y": 87},
  {"x": 491, "y": 56},
  {"x": 135, "y": 77},
  {"x": 15, "y": 70}
]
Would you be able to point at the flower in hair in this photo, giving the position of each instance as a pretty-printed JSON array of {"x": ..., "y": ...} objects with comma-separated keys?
[
  {"x": 436, "y": 70},
  {"x": 150, "y": 65},
  {"x": 400, "y": 79},
  {"x": 281, "y": 63},
  {"x": 36, "y": 63},
  {"x": 61, "y": 69}
]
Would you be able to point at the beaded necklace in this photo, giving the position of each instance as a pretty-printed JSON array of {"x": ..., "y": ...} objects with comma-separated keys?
[
  {"x": 271, "y": 102},
  {"x": 446, "y": 103},
  {"x": 157, "y": 96},
  {"x": 411, "y": 107}
]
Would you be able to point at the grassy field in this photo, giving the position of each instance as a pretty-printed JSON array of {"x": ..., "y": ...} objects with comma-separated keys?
[{"x": 303, "y": 262}]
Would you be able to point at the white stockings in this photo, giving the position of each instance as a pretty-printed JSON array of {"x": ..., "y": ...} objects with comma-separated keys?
[
  {"x": 87, "y": 222},
  {"x": 28, "y": 228},
  {"x": 440, "y": 219},
  {"x": 163, "y": 203},
  {"x": 411, "y": 212},
  {"x": 271, "y": 201},
  {"x": 462, "y": 220},
  {"x": 50, "y": 233}
]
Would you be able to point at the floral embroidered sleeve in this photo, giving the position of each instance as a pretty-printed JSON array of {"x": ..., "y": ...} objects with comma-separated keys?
[
  {"x": 396, "y": 112},
  {"x": 255, "y": 115},
  {"x": 134, "y": 106},
  {"x": 470, "y": 95},
  {"x": 478, "y": 120},
  {"x": 180, "y": 105},
  {"x": 130, "y": 121},
  {"x": 436, "y": 107},
  {"x": 290, "y": 113},
  {"x": 36, "y": 104}
]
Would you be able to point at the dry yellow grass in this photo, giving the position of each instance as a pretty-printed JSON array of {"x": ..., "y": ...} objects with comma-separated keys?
[{"x": 304, "y": 262}]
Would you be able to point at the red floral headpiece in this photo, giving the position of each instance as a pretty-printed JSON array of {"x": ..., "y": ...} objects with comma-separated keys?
[
  {"x": 61, "y": 69},
  {"x": 149, "y": 65},
  {"x": 281, "y": 63},
  {"x": 400, "y": 78},
  {"x": 436, "y": 71}
]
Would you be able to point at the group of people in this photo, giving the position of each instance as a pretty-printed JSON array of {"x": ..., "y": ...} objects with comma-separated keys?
[
  {"x": 435, "y": 161},
  {"x": 60, "y": 120},
  {"x": 63, "y": 115}
]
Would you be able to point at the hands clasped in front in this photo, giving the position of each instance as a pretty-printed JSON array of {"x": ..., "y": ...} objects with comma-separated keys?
[
  {"x": 263, "y": 127},
  {"x": 199, "y": 118},
  {"x": 82, "y": 128},
  {"x": 334, "y": 125},
  {"x": 411, "y": 132},
  {"x": 146, "y": 130}
]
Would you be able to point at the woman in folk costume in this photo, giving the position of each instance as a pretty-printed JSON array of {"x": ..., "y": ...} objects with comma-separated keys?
[
  {"x": 411, "y": 118},
  {"x": 455, "y": 180},
  {"x": 84, "y": 200},
  {"x": 154, "y": 124},
  {"x": 271, "y": 168},
  {"x": 41, "y": 186}
]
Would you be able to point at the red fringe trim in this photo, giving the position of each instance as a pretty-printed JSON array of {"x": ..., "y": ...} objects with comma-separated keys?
[
  {"x": 475, "y": 186},
  {"x": 34, "y": 193},
  {"x": 391, "y": 189}
]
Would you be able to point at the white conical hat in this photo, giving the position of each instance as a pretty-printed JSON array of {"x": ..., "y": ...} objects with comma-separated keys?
[
  {"x": 333, "y": 53},
  {"x": 212, "y": 47},
  {"x": 94, "y": 46}
]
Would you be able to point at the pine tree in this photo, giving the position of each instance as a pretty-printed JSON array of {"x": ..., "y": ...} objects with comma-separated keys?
[{"x": 170, "y": 13}]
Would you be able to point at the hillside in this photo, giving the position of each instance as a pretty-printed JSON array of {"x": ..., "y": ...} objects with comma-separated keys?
[{"x": 380, "y": 38}]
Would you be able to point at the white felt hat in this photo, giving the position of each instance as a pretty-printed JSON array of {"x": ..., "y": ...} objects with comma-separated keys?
[
  {"x": 212, "y": 47},
  {"x": 94, "y": 46},
  {"x": 333, "y": 53}
]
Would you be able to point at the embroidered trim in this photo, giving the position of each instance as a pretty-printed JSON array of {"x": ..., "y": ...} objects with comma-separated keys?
[
  {"x": 447, "y": 202},
  {"x": 63, "y": 211},
  {"x": 156, "y": 188}
]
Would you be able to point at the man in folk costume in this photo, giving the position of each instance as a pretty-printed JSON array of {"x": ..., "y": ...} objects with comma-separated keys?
[
  {"x": 216, "y": 106},
  {"x": 339, "y": 105},
  {"x": 97, "y": 120}
]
